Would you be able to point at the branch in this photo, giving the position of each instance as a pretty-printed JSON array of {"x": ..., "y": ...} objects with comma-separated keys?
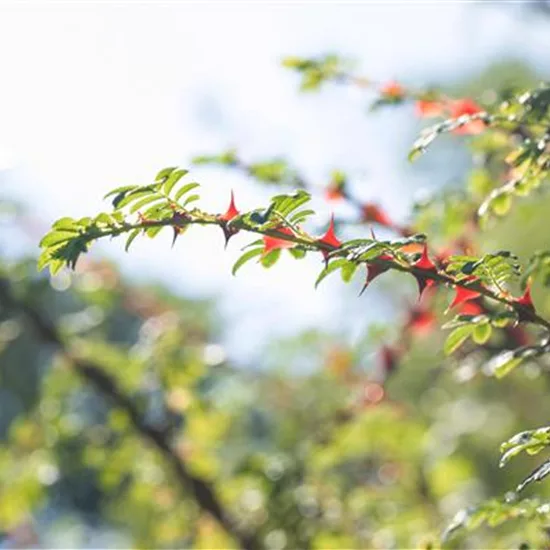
[
  {"x": 277, "y": 172},
  {"x": 203, "y": 493},
  {"x": 242, "y": 222}
]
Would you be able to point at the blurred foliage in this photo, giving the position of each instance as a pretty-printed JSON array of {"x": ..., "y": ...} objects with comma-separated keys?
[{"x": 376, "y": 448}]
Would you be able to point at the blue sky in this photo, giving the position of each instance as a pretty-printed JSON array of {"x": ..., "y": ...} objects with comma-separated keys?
[{"x": 96, "y": 95}]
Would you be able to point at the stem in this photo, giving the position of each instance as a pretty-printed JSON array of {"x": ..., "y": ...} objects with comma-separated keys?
[{"x": 198, "y": 217}]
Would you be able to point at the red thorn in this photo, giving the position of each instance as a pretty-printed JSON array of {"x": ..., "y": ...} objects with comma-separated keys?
[
  {"x": 463, "y": 295},
  {"x": 467, "y": 106},
  {"x": 329, "y": 238},
  {"x": 393, "y": 89},
  {"x": 232, "y": 211},
  {"x": 471, "y": 308},
  {"x": 373, "y": 270},
  {"x": 424, "y": 262},
  {"x": 526, "y": 299},
  {"x": 421, "y": 321},
  {"x": 332, "y": 194},
  {"x": 373, "y": 213},
  {"x": 428, "y": 109},
  {"x": 423, "y": 284},
  {"x": 273, "y": 243}
]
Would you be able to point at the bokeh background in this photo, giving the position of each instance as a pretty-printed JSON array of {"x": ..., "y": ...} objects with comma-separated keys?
[{"x": 255, "y": 372}]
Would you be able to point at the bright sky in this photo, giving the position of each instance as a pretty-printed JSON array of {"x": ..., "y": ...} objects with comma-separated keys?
[{"x": 96, "y": 95}]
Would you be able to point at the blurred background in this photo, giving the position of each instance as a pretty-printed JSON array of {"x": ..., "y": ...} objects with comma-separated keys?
[{"x": 269, "y": 389}]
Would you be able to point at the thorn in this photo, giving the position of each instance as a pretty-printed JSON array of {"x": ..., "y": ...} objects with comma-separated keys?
[
  {"x": 231, "y": 212},
  {"x": 526, "y": 299},
  {"x": 462, "y": 295},
  {"x": 424, "y": 262},
  {"x": 373, "y": 270}
]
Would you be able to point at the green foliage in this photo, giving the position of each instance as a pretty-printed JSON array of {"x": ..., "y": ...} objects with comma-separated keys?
[
  {"x": 355, "y": 452},
  {"x": 317, "y": 70},
  {"x": 491, "y": 269},
  {"x": 495, "y": 512}
]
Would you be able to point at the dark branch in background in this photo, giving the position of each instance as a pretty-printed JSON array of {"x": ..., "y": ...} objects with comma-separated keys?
[{"x": 202, "y": 492}]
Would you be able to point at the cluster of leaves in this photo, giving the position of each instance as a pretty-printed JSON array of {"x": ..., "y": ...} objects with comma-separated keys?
[
  {"x": 156, "y": 205},
  {"x": 315, "y": 71},
  {"x": 496, "y": 512},
  {"x": 512, "y": 141}
]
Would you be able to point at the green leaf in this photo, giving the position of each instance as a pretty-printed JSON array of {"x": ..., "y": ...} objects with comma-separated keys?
[
  {"x": 503, "y": 364},
  {"x": 270, "y": 259},
  {"x": 537, "y": 475},
  {"x": 164, "y": 173},
  {"x": 56, "y": 237},
  {"x": 301, "y": 216},
  {"x": 501, "y": 204},
  {"x": 173, "y": 179},
  {"x": 348, "y": 271},
  {"x": 457, "y": 338},
  {"x": 131, "y": 197},
  {"x": 185, "y": 189},
  {"x": 146, "y": 200},
  {"x": 152, "y": 232},
  {"x": 298, "y": 253},
  {"x": 131, "y": 238},
  {"x": 331, "y": 267},
  {"x": 482, "y": 333},
  {"x": 245, "y": 258},
  {"x": 66, "y": 224},
  {"x": 190, "y": 199},
  {"x": 120, "y": 190},
  {"x": 105, "y": 219}
]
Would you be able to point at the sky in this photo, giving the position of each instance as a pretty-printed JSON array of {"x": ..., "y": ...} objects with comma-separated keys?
[{"x": 96, "y": 95}]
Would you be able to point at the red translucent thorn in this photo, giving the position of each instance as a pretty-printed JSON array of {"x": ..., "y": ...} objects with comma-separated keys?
[
  {"x": 373, "y": 270},
  {"x": 471, "y": 308},
  {"x": 232, "y": 211},
  {"x": 424, "y": 262},
  {"x": 273, "y": 243},
  {"x": 393, "y": 89},
  {"x": 463, "y": 295},
  {"x": 423, "y": 284},
  {"x": 332, "y": 194},
  {"x": 421, "y": 321},
  {"x": 526, "y": 299},
  {"x": 371, "y": 212},
  {"x": 330, "y": 237},
  {"x": 467, "y": 106},
  {"x": 428, "y": 108}
]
